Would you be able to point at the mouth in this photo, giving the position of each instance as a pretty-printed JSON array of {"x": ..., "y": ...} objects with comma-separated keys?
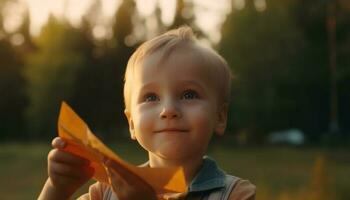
[{"x": 171, "y": 130}]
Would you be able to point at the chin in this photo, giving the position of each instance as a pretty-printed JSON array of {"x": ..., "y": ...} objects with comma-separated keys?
[
  {"x": 171, "y": 153},
  {"x": 181, "y": 153}
]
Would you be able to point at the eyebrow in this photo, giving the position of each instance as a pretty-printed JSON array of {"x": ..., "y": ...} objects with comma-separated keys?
[
  {"x": 195, "y": 83},
  {"x": 186, "y": 82},
  {"x": 147, "y": 85}
]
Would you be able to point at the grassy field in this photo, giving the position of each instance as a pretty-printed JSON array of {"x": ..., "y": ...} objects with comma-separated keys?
[{"x": 278, "y": 172}]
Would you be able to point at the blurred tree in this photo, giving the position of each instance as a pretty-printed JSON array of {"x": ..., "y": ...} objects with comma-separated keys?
[
  {"x": 98, "y": 94},
  {"x": 184, "y": 15},
  {"x": 343, "y": 65},
  {"x": 13, "y": 99},
  {"x": 51, "y": 72},
  {"x": 256, "y": 45},
  {"x": 331, "y": 26},
  {"x": 123, "y": 24},
  {"x": 330, "y": 93},
  {"x": 280, "y": 58}
]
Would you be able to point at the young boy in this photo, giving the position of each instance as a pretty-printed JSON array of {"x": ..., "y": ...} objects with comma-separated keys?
[{"x": 176, "y": 96}]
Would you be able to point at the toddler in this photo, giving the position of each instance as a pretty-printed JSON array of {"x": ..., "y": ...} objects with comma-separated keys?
[{"x": 176, "y": 95}]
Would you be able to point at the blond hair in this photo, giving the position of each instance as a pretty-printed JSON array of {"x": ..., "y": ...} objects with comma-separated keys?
[{"x": 179, "y": 39}]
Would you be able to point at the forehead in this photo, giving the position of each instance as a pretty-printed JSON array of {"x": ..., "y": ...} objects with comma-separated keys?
[{"x": 182, "y": 64}]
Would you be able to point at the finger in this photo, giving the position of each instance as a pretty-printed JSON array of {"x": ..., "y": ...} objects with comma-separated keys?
[
  {"x": 59, "y": 179},
  {"x": 67, "y": 183},
  {"x": 58, "y": 143},
  {"x": 59, "y": 156},
  {"x": 71, "y": 171}
]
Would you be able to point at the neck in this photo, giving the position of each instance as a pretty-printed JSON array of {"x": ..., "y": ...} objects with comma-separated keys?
[{"x": 190, "y": 166}]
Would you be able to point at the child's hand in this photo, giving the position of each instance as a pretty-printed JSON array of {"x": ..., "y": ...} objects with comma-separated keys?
[
  {"x": 126, "y": 185},
  {"x": 67, "y": 172}
]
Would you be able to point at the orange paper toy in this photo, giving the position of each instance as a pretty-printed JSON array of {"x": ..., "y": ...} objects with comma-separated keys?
[{"x": 81, "y": 141}]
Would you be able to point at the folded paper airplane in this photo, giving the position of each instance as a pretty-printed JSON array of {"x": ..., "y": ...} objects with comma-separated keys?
[{"x": 82, "y": 142}]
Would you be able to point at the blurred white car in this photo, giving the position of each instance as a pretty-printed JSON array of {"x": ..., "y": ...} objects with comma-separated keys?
[{"x": 289, "y": 136}]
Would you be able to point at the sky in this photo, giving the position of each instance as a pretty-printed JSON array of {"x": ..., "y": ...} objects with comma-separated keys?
[{"x": 209, "y": 14}]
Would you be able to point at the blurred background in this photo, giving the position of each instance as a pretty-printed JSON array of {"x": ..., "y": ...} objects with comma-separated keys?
[{"x": 289, "y": 121}]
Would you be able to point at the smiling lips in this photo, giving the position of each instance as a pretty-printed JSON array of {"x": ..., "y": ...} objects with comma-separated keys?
[{"x": 171, "y": 130}]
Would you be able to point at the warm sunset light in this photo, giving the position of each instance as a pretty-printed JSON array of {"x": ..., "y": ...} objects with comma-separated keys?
[
  {"x": 250, "y": 96},
  {"x": 209, "y": 15}
]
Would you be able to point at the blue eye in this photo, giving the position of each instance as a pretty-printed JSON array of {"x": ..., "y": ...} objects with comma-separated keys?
[
  {"x": 151, "y": 97},
  {"x": 190, "y": 94}
]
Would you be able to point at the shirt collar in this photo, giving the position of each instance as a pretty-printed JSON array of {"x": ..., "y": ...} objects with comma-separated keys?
[{"x": 209, "y": 177}]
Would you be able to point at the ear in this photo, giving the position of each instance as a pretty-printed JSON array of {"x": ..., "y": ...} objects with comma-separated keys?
[
  {"x": 221, "y": 119},
  {"x": 131, "y": 124}
]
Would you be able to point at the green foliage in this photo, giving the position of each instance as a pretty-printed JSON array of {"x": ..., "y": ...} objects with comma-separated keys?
[
  {"x": 280, "y": 60},
  {"x": 12, "y": 95},
  {"x": 123, "y": 25},
  {"x": 71, "y": 65},
  {"x": 13, "y": 99},
  {"x": 256, "y": 45},
  {"x": 279, "y": 57},
  {"x": 51, "y": 72},
  {"x": 98, "y": 92},
  {"x": 184, "y": 15},
  {"x": 343, "y": 63},
  {"x": 179, "y": 18}
]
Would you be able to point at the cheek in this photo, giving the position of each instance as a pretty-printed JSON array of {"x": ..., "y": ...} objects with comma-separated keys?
[
  {"x": 200, "y": 120},
  {"x": 201, "y": 117},
  {"x": 144, "y": 123},
  {"x": 144, "y": 120}
]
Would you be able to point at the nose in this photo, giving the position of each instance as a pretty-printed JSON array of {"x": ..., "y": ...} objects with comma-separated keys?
[{"x": 170, "y": 111}]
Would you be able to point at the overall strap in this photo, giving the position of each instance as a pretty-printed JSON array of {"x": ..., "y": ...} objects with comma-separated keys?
[
  {"x": 223, "y": 193},
  {"x": 109, "y": 194}
]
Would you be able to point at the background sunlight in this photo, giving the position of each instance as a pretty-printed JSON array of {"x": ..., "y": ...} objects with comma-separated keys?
[
  {"x": 209, "y": 15},
  {"x": 288, "y": 129}
]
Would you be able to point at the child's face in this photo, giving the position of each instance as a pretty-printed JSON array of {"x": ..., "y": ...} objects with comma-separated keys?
[{"x": 174, "y": 108}]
